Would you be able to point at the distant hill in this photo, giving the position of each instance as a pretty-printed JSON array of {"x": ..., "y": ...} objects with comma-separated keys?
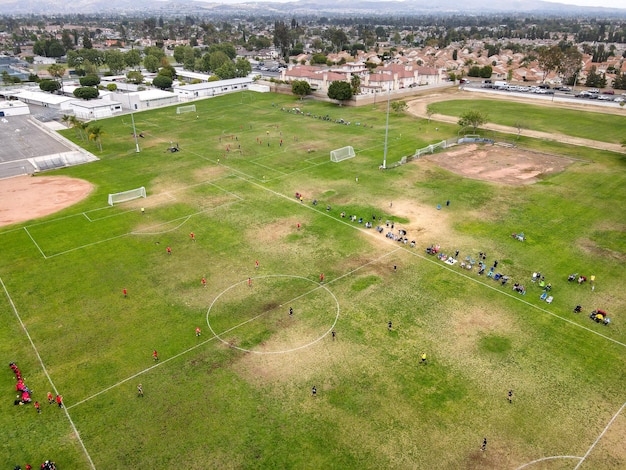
[{"x": 302, "y": 7}]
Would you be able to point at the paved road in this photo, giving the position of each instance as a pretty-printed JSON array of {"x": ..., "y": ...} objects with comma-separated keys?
[{"x": 418, "y": 106}]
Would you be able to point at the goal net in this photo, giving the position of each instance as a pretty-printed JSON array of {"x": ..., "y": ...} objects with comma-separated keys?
[
  {"x": 342, "y": 154},
  {"x": 127, "y": 195},
  {"x": 186, "y": 109}
]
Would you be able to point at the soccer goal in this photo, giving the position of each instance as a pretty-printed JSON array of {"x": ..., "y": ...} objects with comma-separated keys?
[
  {"x": 127, "y": 195},
  {"x": 342, "y": 154},
  {"x": 186, "y": 109}
]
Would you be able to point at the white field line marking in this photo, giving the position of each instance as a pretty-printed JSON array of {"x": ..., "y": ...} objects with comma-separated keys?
[
  {"x": 45, "y": 371},
  {"x": 606, "y": 428},
  {"x": 218, "y": 336},
  {"x": 554, "y": 457},
  {"x": 87, "y": 217},
  {"x": 184, "y": 219},
  {"x": 33, "y": 240},
  {"x": 319, "y": 286},
  {"x": 516, "y": 297}
]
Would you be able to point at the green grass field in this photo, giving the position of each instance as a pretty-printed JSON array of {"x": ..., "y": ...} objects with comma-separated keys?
[{"x": 239, "y": 395}]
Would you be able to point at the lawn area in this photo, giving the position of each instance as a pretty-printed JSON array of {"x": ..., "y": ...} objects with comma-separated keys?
[
  {"x": 588, "y": 125},
  {"x": 240, "y": 394}
]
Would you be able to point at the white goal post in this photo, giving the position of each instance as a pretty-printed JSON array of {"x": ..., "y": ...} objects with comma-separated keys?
[
  {"x": 186, "y": 109},
  {"x": 342, "y": 154},
  {"x": 127, "y": 195}
]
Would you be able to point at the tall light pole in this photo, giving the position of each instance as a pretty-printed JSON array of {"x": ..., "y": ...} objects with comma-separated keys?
[
  {"x": 386, "y": 128},
  {"x": 132, "y": 118}
]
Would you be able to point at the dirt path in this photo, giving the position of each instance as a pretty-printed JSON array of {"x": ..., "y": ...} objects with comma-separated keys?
[{"x": 417, "y": 107}]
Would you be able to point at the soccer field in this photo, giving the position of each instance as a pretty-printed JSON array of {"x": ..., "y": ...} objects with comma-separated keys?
[{"x": 239, "y": 395}]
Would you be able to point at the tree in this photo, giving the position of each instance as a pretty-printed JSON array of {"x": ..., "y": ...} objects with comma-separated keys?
[
  {"x": 87, "y": 44},
  {"x": 217, "y": 59},
  {"x": 163, "y": 82},
  {"x": 115, "y": 60},
  {"x": 473, "y": 119},
  {"x": 355, "y": 83},
  {"x": 340, "y": 91},
  {"x": 242, "y": 67},
  {"x": 132, "y": 58},
  {"x": 571, "y": 63},
  {"x": 281, "y": 38},
  {"x": 399, "y": 106},
  {"x": 86, "y": 93},
  {"x": 549, "y": 59},
  {"x": 49, "y": 85},
  {"x": 95, "y": 133},
  {"x": 430, "y": 110},
  {"x": 66, "y": 119},
  {"x": 56, "y": 49},
  {"x": 151, "y": 63},
  {"x": 112, "y": 87},
  {"x": 318, "y": 58},
  {"x": 89, "y": 80},
  {"x": 57, "y": 71},
  {"x": 300, "y": 88},
  {"x": 226, "y": 70},
  {"x": 179, "y": 54},
  {"x": 135, "y": 76}
]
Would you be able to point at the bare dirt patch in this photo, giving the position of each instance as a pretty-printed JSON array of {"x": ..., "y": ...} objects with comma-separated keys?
[
  {"x": 25, "y": 197},
  {"x": 507, "y": 165}
]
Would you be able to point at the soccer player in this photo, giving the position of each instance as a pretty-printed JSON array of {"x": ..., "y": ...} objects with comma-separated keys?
[
  {"x": 140, "y": 390},
  {"x": 250, "y": 282},
  {"x": 125, "y": 292},
  {"x": 424, "y": 358},
  {"x": 37, "y": 407},
  {"x": 484, "y": 446},
  {"x": 291, "y": 311},
  {"x": 198, "y": 331},
  {"x": 389, "y": 325},
  {"x": 169, "y": 250},
  {"x": 203, "y": 282},
  {"x": 256, "y": 264},
  {"x": 155, "y": 355},
  {"x": 314, "y": 391},
  {"x": 321, "y": 278},
  {"x": 59, "y": 401},
  {"x": 192, "y": 236},
  {"x": 50, "y": 398},
  {"x": 510, "y": 396}
]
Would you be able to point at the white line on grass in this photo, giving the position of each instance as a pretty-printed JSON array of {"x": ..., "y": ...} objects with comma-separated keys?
[
  {"x": 441, "y": 265},
  {"x": 87, "y": 217},
  {"x": 218, "y": 336},
  {"x": 554, "y": 457},
  {"x": 45, "y": 371},
  {"x": 33, "y": 240},
  {"x": 600, "y": 436}
]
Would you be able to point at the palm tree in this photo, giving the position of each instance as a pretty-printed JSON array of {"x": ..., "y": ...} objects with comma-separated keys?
[
  {"x": 82, "y": 128},
  {"x": 95, "y": 134},
  {"x": 66, "y": 119}
]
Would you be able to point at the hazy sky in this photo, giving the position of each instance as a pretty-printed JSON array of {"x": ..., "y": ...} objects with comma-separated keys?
[
  {"x": 594, "y": 3},
  {"x": 600, "y": 3}
]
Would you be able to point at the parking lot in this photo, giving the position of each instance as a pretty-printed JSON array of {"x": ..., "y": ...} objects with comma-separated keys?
[{"x": 22, "y": 139}]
